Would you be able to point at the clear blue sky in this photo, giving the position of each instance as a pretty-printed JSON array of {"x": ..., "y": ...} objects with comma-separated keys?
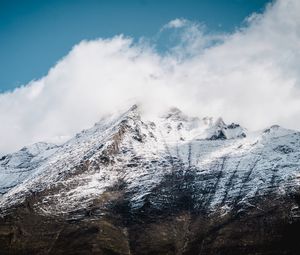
[{"x": 34, "y": 34}]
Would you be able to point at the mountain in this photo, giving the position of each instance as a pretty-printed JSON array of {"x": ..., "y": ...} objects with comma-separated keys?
[{"x": 174, "y": 184}]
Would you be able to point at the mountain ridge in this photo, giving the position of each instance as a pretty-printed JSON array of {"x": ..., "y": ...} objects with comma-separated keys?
[{"x": 147, "y": 173}]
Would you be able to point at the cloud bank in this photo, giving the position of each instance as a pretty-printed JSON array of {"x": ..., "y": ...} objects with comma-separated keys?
[{"x": 251, "y": 76}]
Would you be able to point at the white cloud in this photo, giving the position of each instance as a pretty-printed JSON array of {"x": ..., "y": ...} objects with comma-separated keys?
[
  {"x": 176, "y": 23},
  {"x": 250, "y": 76},
  {"x": 190, "y": 38}
]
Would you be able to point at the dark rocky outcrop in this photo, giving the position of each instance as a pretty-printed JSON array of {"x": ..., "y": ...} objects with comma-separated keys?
[{"x": 268, "y": 226}]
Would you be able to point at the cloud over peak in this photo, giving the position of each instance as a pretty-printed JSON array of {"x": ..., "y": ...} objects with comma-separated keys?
[{"x": 250, "y": 76}]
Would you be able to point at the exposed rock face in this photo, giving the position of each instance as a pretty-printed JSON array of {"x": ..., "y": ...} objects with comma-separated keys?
[{"x": 175, "y": 185}]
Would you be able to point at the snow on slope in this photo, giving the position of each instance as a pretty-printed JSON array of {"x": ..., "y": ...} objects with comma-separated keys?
[
  {"x": 228, "y": 164},
  {"x": 16, "y": 167}
]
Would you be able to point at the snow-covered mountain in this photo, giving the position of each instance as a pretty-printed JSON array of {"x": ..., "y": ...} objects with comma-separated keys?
[{"x": 170, "y": 185}]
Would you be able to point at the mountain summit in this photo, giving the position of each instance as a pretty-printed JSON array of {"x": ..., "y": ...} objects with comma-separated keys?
[{"x": 173, "y": 185}]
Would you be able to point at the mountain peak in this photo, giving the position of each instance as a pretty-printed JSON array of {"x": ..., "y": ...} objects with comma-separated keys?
[
  {"x": 130, "y": 175},
  {"x": 175, "y": 113},
  {"x": 220, "y": 123}
]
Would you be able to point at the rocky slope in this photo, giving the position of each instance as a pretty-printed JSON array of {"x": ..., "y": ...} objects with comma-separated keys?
[{"x": 172, "y": 185}]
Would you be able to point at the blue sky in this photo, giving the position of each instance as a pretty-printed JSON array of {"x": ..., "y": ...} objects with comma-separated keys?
[
  {"x": 35, "y": 34},
  {"x": 246, "y": 72}
]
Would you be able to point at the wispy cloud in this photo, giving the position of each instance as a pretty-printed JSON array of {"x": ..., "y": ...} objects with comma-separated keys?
[
  {"x": 176, "y": 23},
  {"x": 250, "y": 76},
  {"x": 190, "y": 38}
]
